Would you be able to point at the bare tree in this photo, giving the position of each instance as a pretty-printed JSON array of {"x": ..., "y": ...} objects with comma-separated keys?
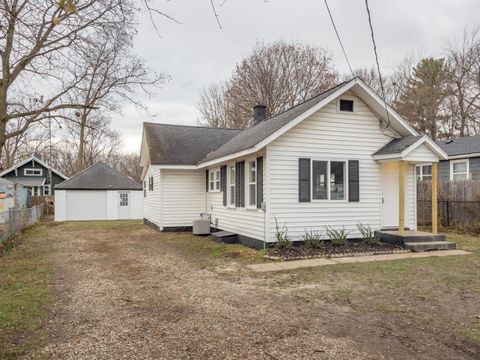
[
  {"x": 24, "y": 144},
  {"x": 279, "y": 75},
  {"x": 463, "y": 65},
  {"x": 108, "y": 72},
  {"x": 100, "y": 142},
  {"x": 38, "y": 41}
]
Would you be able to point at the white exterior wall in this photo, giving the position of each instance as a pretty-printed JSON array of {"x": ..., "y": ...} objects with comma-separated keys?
[
  {"x": 328, "y": 135},
  {"x": 243, "y": 221},
  {"x": 183, "y": 197},
  {"x": 422, "y": 154},
  {"x": 60, "y": 205},
  {"x": 135, "y": 198},
  {"x": 152, "y": 203},
  {"x": 112, "y": 205},
  {"x": 136, "y": 204},
  {"x": 84, "y": 209}
]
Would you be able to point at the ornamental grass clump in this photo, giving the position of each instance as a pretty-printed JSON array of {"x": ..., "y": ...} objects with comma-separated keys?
[
  {"x": 337, "y": 236},
  {"x": 312, "y": 239},
  {"x": 368, "y": 235},
  {"x": 284, "y": 242}
]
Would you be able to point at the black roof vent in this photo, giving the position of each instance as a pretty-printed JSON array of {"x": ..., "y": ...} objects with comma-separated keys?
[
  {"x": 449, "y": 141},
  {"x": 259, "y": 114}
]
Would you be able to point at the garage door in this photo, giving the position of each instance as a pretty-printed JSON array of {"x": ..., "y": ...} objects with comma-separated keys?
[{"x": 86, "y": 205}]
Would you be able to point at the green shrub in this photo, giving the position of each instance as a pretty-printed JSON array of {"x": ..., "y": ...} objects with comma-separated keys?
[
  {"x": 368, "y": 235},
  {"x": 284, "y": 241},
  {"x": 338, "y": 237},
  {"x": 312, "y": 239}
]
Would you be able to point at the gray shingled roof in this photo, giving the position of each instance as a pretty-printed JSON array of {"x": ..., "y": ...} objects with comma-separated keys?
[
  {"x": 99, "y": 177},
  {"x": 461, "y": 146},
  {"x": 183, "y": 145},
  {"x": 396, "y": 146},
  {"x": 254, "y": 135}
]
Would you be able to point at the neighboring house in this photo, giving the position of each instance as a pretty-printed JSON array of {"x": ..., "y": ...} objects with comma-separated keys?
[
  {"x": 463, "y": 159},
  {"x": 35, "y": 175},
  {"x": 334, "y": 160},
  {"x": 98, "y": 193},
  {"x": 21, "y": 195}
]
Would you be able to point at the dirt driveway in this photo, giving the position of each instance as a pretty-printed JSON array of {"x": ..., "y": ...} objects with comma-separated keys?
[{"x": 122, "y": 292}]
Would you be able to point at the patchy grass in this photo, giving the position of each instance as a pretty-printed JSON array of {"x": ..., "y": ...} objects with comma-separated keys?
[
  {"x": 439, "y": 293},
  {"x": 202, "y": 248},
  {"x": 24, "y": 294}
]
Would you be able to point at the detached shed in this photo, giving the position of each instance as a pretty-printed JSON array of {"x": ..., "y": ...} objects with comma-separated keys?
[{"x": 98, "y": 193}]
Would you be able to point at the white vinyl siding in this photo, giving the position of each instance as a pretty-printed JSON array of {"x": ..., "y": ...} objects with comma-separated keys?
[
  {"x": 422, "y": 154},
  {"x": 183, "y": 197},
  {"x": 328, "y": 134},
  {"x": 152, "y": 204},
  {"x": 248, "y": 221}
]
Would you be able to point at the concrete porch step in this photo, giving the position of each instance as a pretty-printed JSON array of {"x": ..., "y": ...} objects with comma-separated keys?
[
  {"x": 420, "y": 246},
  {"x": 226, "y": 237}
]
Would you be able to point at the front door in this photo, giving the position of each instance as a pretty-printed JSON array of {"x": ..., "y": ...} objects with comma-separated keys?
[
  {"x": 390, "y": 174},
  {"x": 124, "y": 205}
]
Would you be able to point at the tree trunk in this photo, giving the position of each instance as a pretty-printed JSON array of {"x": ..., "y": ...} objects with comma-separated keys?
[{"x": 81, "y": 145}]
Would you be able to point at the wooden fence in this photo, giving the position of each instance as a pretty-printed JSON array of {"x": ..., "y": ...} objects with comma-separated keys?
[{"x": 458, "y": 204}]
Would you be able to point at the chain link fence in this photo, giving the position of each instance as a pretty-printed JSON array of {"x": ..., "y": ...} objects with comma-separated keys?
[{"x": 12, "y": 222}]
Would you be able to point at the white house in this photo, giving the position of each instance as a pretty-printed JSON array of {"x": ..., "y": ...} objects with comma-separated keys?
[
  {"x": 98, "y": 193},
  {"x": 335, "y": 160}
]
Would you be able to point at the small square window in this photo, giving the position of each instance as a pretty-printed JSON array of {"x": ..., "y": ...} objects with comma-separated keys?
[{"x": 346, "y": 105}]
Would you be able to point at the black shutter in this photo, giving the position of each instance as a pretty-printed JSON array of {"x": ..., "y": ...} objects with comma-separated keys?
[
  {"x": 304, "y": 180},
  {"x": 240, "y": 184},
  {"x": 223, "y": 183},
  {"x": 206, "y": 180},
  {"x": 353, "y": 181},
  {"x": 259, "y": 182}
]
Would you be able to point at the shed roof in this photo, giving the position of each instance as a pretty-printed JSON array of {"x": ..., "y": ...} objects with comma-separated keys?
[
  {"x": 461, "y": 146},
  {"x": 99, "y": 176},
  {"x": 183, "y": 145}
]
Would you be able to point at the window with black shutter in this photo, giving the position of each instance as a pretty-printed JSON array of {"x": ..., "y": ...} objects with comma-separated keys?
[
  {"x": 304, "y": 180},
  {"x": 353, "y": 181},
  {"x": 259, "y": 182}
]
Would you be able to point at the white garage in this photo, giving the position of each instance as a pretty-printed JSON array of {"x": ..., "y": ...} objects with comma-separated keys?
[{"x": 98, "y": 193}]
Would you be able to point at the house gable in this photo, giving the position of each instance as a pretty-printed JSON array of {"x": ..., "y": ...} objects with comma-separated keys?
[
  {"x": 270, "y": 129},
  {"x": 330, "y": 136}
]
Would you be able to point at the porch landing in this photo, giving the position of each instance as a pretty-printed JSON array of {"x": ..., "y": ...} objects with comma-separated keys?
[{"x": 417, "y": 241}]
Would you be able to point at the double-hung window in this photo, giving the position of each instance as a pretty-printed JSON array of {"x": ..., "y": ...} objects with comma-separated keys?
[
  {"x": 424, "y": 172},
  {"x": 214, "y": 180},
  {"x": 329, "y": 180},
  {"x": 459, "y": 169},
  {"x": 252, "y": 183},
  {"x": 231, "y": 184}
]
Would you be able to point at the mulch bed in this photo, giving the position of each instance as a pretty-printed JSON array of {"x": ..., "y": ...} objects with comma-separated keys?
[{"x": 326, "y": 250}]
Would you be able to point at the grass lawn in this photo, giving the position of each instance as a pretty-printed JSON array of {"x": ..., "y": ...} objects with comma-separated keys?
[
  {"x": 24, "y": 295},
  {"x": 439, "y": 295}
]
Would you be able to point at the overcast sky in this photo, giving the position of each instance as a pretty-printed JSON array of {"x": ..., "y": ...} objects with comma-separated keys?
[{"x": 197, "y": 53}]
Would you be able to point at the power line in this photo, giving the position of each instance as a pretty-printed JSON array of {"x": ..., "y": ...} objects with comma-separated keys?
[
  {"x": 338, "y": 37},
  {"x": 376, "y": 60}
]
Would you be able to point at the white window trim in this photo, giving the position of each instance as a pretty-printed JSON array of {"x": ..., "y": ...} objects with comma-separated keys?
[
  {"x": 215, "y": 182},
  {"x": 420, "y": 177},
  {"x": 34, "y": 169},
  {"x": 248, "y": 183},
  {"x": 351, "y": 98},
  {"x": 49, "y": 190},
  {"x": 231, "y": 204},
  {"x": 345, "y": 181},
  {"x": 460, "y": 161}
]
